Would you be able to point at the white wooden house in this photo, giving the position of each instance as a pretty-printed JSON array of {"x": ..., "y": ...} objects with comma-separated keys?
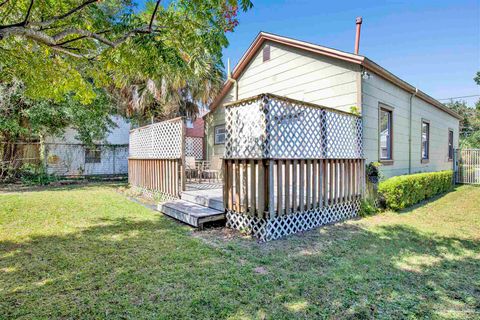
[
  {"x": 295, "y": 124},
  {"x": 403, "y": 128},
  {"x": 65, "y": 155}
]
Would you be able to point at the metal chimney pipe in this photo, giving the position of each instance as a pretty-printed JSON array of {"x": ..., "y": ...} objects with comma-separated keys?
[{"x": 357, "y": 36}]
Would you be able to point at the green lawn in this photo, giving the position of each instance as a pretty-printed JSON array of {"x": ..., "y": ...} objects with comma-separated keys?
[{"x": 88, "y": 252}]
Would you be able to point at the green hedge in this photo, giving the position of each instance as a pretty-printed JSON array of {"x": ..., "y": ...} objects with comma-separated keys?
[{"x": 403, "y": 191}]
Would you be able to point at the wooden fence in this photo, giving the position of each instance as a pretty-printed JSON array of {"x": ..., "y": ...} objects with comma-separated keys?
[
  {"x": 467, "y": 166},
  {"x": 157, "y": 157},
  {"x": 159, "y": 175},
  {"x": 271, "y": 188}
]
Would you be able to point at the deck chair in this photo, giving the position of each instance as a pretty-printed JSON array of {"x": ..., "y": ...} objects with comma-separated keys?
[
  {"x": 213, "y": 171},
  {"x": 190, "y": 168}
]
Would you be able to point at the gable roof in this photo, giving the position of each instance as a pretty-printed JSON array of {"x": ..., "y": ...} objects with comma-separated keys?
[{"x": 368, "y": 64}]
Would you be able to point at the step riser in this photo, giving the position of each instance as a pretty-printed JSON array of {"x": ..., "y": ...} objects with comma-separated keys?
[
  {"x": 190, "y": 213},
  {"x": 204, "y": 201}
]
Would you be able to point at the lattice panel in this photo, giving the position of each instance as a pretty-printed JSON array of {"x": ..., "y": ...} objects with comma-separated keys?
[
  {"x": 163, "y": 140},
  {"x": 194, "y": 147},
  {"x": 271, "y": 229},
  {"x": 269, "y": 126}
]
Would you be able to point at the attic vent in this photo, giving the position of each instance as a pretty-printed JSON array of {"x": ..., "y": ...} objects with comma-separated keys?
[{"x": 266, "y": 53}]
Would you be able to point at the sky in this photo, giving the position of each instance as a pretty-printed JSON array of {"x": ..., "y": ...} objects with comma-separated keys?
[{"x": 432, "y": 44}]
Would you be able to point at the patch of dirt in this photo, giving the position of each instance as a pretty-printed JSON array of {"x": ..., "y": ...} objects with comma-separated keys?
[{"x": 260, "y": 270}]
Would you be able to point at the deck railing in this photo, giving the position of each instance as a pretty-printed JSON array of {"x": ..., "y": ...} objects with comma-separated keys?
[
  {"x": 156, "y": 158},
  {"x": 290, "y": 166},
  {"x": 272, "y": 188}
]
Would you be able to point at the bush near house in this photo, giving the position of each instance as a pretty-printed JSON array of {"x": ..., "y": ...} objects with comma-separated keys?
[{"x": 402, "y": 191}]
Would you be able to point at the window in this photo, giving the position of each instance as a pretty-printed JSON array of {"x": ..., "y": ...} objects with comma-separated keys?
[
  {"x": 450, "y": 144},
  {"x": 385, "y": 134},
  {"x": 93, "y": 155},
  {"x": 220, "y": 134},
  {"x": 425, "y": 141},
  {"x": 266, "y": 53}
]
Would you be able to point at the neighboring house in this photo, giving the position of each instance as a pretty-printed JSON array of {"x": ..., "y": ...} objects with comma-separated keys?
[
  {"x": 404, "y": 128},
  {"x": 66, "y": 155},
  {"x": 194, "y": 138}
]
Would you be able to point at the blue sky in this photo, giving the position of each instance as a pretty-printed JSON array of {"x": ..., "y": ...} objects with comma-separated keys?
[{"x": 432, "y": 44}]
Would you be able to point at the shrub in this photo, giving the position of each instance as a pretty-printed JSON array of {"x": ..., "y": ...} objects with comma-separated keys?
[
  {"x": 367, "y": 207},
  {"x": 31, "y": 174},
  {"x": 403, "y": 191}
]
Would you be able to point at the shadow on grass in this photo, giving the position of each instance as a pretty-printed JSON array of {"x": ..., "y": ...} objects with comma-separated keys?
[
  {"x": 154, "y": 269},
  {"x": 18, "y": 188}
]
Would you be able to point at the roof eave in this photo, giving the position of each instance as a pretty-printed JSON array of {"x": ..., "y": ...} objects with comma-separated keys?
[{"x": 345, "y": 56}]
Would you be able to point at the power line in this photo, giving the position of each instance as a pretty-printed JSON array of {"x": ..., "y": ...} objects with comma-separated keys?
[{"x": 452, "y": 98}]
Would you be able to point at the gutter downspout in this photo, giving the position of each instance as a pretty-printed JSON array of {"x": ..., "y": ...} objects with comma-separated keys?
[
  {"x": 235, "y": 82},
  {"x": 410, "y": 132}
]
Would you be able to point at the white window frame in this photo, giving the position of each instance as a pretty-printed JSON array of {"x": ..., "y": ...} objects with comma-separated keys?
[{"x": 219, "y": 137}]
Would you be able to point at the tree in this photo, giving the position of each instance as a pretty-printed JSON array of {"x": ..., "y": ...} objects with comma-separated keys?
[
  {"x": 23, "y": 120},
  {"x": 60, "y": 47},
  {"x": 477, "y": 81},
  {"x": 469, "y": 122}
]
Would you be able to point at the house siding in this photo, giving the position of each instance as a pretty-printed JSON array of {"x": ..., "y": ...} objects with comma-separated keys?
[
  {"x": 293, "y": 73},
  {"x": 377, "y": 90}
]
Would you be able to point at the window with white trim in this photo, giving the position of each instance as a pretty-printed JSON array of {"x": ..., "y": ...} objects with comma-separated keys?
[
  {"x": 425, "y": 140},
  {"x": 220, "y": 134},
  {"x": 385, "y": 134},
  {"x": 93, "y": 155},
  {"x": 450, "y": 144}
]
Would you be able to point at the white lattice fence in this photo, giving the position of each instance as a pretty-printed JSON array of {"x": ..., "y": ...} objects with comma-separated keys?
[
  {"x": 194, "y": 147},
  {"x": 290, "y": 166},
  {"x": 163, "y": 140},
  {"x": 269, "y": 126},
  {"x": 156, "y": 158},
  {"x": 278, "y": 227}
]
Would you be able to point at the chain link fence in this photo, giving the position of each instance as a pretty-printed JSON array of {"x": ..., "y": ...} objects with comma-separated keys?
[{"x": 62, "y": 159}]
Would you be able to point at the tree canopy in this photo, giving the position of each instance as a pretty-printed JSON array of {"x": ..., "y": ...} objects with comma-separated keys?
[
  {"x": 470, "y": 120},
  {"x": 167, "y": 52}
]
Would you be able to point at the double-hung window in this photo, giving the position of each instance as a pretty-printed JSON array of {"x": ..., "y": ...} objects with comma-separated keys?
[
  {"x": 385, "y": 134},
  {"x": 425, "y": 140},
  {"x": 450, "y": 144},
  {"x": 220, "y": 134}
]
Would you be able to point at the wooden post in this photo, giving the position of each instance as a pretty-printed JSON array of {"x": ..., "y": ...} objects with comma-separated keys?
[
  {"x": 271, "y": 189},
  {"x": 237, "y": 186},
  {"x": 288, "y": 208},
  {"x": 261, "y": 189},
  {"x": 301, "y": 201},
  {"x": 253, "y": 183},
  {"x": 279, "y": 188},
  {"x": 294, "y": 185}
]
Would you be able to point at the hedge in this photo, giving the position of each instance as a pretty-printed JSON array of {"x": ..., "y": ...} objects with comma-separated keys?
[{"x": 403, "y": 191}]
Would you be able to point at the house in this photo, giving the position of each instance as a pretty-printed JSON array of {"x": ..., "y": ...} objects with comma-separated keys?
[
  {"x": 66, "y": 155},
  {"x": 403, "y": 128},
  {"x": 194, "y": 138},
  {"x": 295, "y": 125}
]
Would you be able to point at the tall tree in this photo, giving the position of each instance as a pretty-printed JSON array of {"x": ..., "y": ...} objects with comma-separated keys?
[
  {"x": 477, "y": 81},
  {"x": 59, "y": 47}
]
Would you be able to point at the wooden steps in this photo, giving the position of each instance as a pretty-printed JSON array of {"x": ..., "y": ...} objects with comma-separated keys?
[
  {"x": 207, "y": 198},
  {"x": 195, "y": 207}
]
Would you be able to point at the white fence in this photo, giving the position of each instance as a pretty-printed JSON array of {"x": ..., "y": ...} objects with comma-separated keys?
[
  {"x": 467, "y": 166},
  {"x": 156, "y": 158}
]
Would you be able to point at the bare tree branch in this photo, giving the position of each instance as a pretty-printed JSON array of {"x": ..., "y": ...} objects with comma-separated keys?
[
  {"x": 153, "y": 15},
  {"x": 4, "y": 3},
  {"x": 36, "y": 31},
  {"x": 25, "y": 20}
]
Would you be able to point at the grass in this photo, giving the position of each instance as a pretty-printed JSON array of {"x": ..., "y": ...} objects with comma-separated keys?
[{"x": 88, "y": 252}]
